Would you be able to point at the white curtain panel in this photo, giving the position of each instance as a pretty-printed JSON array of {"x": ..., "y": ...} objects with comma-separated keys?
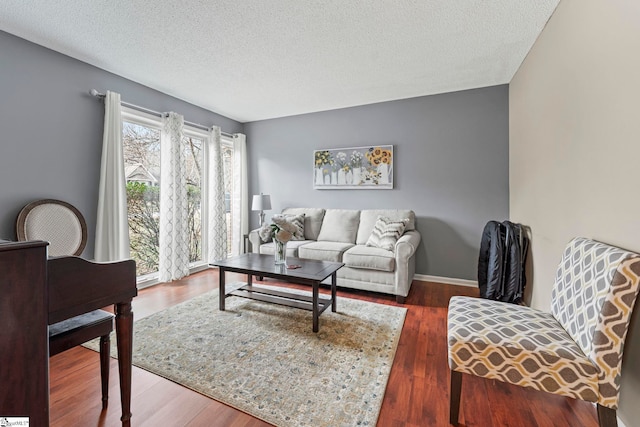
[
  {"x": 240, "y": 209},
  {"x": 112, "y": 227},
  {"x": 174, "y": 236},
  {"x": 217, "y": 222}
]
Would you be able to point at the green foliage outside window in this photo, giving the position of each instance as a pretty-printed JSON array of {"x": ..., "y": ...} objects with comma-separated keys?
[
  {"x": 143, "y": 212},
  {"x": 144, "y": 224}
]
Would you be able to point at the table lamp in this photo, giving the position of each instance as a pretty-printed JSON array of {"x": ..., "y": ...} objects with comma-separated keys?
[{"x": 261, "y": 202}]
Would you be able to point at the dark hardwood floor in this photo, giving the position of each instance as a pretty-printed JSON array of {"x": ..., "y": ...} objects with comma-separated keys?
[{"x": 417, "y": 393}]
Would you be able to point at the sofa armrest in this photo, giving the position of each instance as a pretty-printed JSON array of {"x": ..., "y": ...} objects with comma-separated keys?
[
  {"x": 405, "y": 250},
  {"x": 407, "y": 245},
  {"x": 255, "y": 240}
]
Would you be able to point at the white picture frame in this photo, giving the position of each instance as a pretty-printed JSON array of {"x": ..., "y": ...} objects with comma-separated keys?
[{"x": 353, "y": 168}]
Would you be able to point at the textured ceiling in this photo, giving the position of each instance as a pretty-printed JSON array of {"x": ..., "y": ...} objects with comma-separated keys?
[{"x": 259, "y": 59}]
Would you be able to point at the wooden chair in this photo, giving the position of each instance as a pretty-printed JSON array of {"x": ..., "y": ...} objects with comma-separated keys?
[
  {"x": 64, "y": 227},
  {"x": 575, "y": 350}
]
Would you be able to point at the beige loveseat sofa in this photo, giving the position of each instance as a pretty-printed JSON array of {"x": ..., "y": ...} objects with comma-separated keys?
[{"x": 341, "y": 235}]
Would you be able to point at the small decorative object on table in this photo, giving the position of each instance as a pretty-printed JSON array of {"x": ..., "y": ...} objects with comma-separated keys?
[
  {"x": 280, "y": 252},
  {"x": 281, "y": 230}
]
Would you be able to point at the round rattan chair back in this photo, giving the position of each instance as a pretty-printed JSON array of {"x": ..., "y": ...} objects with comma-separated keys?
[{"x": 56, "y": 222}]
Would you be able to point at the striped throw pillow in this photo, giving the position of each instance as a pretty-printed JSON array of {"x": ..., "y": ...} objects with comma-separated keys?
[
  {"x": 298, "y": 222},
  {"x": 386, "y": 233}
]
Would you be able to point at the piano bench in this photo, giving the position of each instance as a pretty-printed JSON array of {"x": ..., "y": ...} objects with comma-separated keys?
[{"x": 80, "y": 329}]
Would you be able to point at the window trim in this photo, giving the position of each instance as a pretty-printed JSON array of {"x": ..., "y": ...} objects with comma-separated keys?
[
  {"x": 141, "y": 118},
  {"x": 204, "y": 136}
]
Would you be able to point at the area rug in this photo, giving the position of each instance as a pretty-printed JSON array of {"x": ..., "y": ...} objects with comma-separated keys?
[{"x": 263, "y": 359}]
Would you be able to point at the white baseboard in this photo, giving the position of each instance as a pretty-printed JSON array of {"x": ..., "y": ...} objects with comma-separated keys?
[
  {"x": 446, "y": 280},
  {"x": 152, "y": 279}
]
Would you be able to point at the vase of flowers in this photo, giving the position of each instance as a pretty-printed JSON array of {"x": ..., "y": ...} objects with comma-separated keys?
[
  {"x": 280, "y": 252},
  {"x": 356, "y": 167},
  {"x": 322, "y": 159},
  {"x": 380, "y": 159},
  {"x": 342, "y": 160},
  {"x": 281, "y": 230}
]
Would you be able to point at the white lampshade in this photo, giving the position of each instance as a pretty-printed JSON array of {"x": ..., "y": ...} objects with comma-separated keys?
[{"x": 261, "y": 202}]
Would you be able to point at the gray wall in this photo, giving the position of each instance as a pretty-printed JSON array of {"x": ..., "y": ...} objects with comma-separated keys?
[
  {"x": 451, "y": 151},
  {"x": 51, "y": 128},
  {"x": 451, "y": 167}
]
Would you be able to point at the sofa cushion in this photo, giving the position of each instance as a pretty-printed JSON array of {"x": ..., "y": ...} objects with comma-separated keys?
[
  {"x": 312, "y": 220},
  {"x": 292, "y": 247},
  {"x": 386, "y": 233},
  {"x": 368, "y": 219},
  {"x": 339, "y": 225},
  {"x": 370, "y": 258},
  {"x": 324, "y": 251}
]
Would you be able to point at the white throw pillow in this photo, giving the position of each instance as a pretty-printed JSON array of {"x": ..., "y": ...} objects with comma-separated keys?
[
  {"x": 298, "y": 222},
  {"x": 386, "y": 233}
]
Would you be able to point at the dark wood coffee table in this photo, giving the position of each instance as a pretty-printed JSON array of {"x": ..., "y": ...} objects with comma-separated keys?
[{"x": 311, "y": 272}]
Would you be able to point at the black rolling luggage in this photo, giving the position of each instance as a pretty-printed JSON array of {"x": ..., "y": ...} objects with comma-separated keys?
[{"x": 503, "y": 253}]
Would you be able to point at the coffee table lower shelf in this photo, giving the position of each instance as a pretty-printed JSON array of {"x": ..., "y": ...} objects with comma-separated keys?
[{"x": 289, "y": 299}]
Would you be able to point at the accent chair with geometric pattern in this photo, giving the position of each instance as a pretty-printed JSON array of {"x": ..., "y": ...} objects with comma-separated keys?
[{"x": 574, "y": 351}]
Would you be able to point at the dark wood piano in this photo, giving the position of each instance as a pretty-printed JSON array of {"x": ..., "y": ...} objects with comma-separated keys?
[{"x": 36, "y": 292}]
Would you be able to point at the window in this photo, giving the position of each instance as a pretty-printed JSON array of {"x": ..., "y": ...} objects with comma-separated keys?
[
  {"x": 193, "y": 155},
  {"x": 141, "y": 140}
]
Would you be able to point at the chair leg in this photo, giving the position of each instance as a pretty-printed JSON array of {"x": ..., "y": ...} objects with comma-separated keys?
[
  {"x": 105, "y": 349},
  {"x": 454, "y": 397},
  {"x": 607, "y": 417}
]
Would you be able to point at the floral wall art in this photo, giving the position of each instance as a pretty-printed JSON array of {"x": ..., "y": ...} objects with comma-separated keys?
[{"x": 353, "y": 168}]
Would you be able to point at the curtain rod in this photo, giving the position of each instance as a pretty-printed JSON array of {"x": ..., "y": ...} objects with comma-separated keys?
[{"x": 97, "y": 94}]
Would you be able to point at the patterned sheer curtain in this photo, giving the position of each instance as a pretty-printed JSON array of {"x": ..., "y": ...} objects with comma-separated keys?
[
  {"x": 112, "y": 226},
  {"x": 174, "y": 236},
  {"x": 240, "y": 213},
  {"x": 217, "y": 227}
]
